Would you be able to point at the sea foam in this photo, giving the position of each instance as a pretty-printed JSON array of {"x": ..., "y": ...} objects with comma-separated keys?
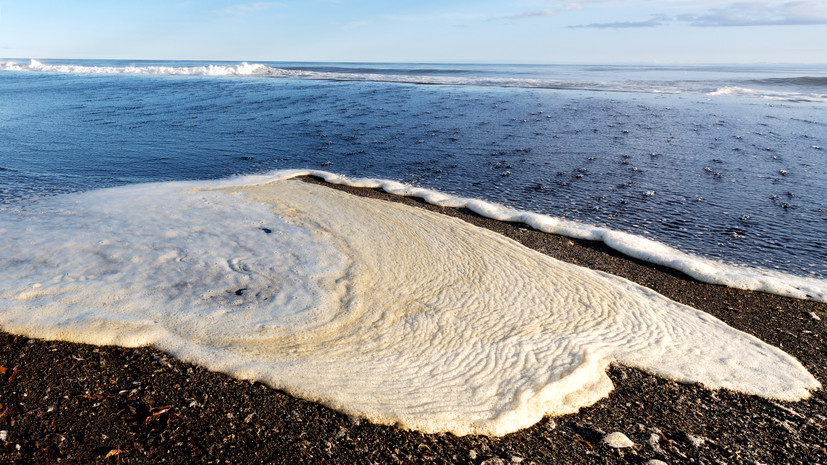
[
  {"x": 241, "y": 69},
  {"x": 702, "y": 269},
  {"x": 380, "y": 310}
]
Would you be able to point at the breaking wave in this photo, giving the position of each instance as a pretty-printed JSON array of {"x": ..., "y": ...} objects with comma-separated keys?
[{"x": 804, "y": 88}]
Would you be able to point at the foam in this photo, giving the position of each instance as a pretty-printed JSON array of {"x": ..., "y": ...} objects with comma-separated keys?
[
  {"x": 242, "y": 69},
  {"x": 377, "y": 309},
  {"x": 261, "y": 70},
  {"x": 788, "y": 96},
  {"x": 702, "y": 269}
]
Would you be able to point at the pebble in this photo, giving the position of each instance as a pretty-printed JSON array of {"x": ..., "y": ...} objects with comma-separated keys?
[
  {"x": 696, "y": 441},
  {"x": 494, "y": 461},
  {"x": 617, "y": 440},
  {"x": 472, "y": 454},
  {"x": 814, "y": 316},
  {"x": 656, "y": 462},
  {"x": 3, "y": 435}
]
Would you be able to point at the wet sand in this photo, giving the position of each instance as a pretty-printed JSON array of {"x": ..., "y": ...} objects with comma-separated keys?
[{"x": 74, "y": 403}]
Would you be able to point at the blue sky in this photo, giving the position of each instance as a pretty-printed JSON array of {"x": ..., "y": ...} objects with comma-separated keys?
[{"x": 519, "y": 31}]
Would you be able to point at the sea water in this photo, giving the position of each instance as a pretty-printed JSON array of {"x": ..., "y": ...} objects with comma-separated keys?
[
  {"x": 714, "y": 171},
  {"x": 723, "y": 162}
]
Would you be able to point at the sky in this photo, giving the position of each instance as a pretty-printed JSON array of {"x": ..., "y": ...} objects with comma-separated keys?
[{"x": 482, "y": 31}]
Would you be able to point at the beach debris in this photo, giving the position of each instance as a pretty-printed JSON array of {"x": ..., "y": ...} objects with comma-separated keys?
[
  {"x": 112, "y": 453},
  {"x": 786, "y": 425},
  {"x": 787, "y": 410},
  {"x": 695, "y": 441},
  {"x": 812, "y": 315},
  {"x": 472, "y": 454},
  {"x": 493, "y": 461},
  {"x": 654, "y": 442},
  {"x": 156, "y": 413},
  {"x": 655, "y": 462},
  {"x": 4, "y": 435},
  {"x": 585, "y": 442},
  {"x": 617, "y": 440}
]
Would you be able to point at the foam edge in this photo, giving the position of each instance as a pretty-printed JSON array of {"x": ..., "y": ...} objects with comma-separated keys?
[{"x": 701, "y": 269}]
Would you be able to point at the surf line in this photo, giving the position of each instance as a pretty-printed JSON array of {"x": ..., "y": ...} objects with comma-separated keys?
[{"x": 699, "y": 268}]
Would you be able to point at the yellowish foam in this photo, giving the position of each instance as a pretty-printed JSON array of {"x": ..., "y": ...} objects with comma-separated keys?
[{"x": 382, "y": 311}]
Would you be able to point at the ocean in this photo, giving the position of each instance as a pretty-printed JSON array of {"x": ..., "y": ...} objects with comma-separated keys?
[
  {"x": 151, "y": 203},
  {"x": 722, "y": 162}
]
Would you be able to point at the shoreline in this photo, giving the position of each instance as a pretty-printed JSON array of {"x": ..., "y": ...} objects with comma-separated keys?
[{"x": 76, "y": 403}]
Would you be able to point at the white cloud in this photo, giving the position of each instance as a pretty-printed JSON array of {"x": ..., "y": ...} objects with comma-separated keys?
[
  {"x": 526, "y": 15},
  {"x": 249, "y": 8},
  {"x": 655, "y": 21},
  {"x": 795, "y": 13},
  {"x": 704, "y": 14}
]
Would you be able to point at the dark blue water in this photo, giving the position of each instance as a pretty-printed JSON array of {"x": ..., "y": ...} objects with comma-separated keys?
[{"x": 721, "y": 174}]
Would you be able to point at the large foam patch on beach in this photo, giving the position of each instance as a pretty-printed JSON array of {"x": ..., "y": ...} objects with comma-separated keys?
[{"x": 380, "y": 310}]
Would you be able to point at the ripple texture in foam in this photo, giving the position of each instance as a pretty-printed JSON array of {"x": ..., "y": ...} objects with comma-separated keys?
[
  {"x": 702, "y": 269},
  {"x": 380, "y": 310}
]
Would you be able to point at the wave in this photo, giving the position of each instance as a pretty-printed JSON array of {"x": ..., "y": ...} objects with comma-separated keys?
[
  {"x": 425, "y": 75},
  {"x": 242, "y": 69},
  {"x": 788, "y": 96},
  {"x": 800, "y": 81},
  {"x": 699, "y": 268},
  {"x": 793, "y": 89}
]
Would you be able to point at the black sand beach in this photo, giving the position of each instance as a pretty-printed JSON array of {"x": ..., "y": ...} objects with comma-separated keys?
[{"x": 73, "y": 403}]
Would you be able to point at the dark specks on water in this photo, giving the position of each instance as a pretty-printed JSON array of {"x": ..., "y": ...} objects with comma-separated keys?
[{"x": 684, "y": 168}]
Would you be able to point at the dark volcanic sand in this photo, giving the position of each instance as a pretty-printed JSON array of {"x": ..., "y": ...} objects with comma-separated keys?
[{"x": 75, "y": 403}]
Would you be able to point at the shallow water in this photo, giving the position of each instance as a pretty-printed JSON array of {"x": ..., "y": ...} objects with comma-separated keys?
[{"x": 735, "y": 178}]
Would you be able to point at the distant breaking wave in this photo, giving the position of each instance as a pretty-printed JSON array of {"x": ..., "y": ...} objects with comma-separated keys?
[
  {"x": 802, "y": 81},
  {"x": 789, "y": 96},
  {"x": 803, "y": 88},
  {"x": 243, "y": 69},
  {"x": 353, "y": 74}
]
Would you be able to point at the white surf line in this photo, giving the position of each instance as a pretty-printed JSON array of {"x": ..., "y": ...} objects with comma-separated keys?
[
  {"x": 261, "y": 70},
  {"x": 701, "y": 269}
]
